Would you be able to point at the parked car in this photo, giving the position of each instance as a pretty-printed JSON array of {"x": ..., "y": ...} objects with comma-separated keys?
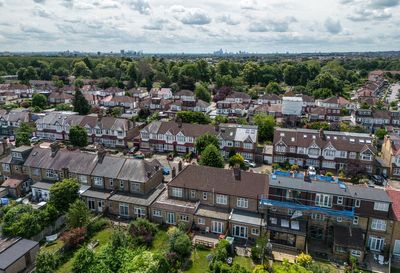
[
  {"x": 378, "y": 180},
  {"x": 249, "y": 163},
  {"x": 166, "y": 171}
]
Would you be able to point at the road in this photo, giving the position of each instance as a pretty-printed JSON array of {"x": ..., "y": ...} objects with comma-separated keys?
[{"x": 395, "y": 88}]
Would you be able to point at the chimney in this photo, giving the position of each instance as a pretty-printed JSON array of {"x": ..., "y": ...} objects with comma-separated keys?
[
  {"x": 307, "y": 177},
  {"x": 55, "y": 146},
  {"x": 322, "y": 134},
  {"x": 173, "y": 172},
  {"x": 99, "y": 115},
  {"x": 101, "y": 153},
  {"x": 148, "y": 174},
  {"x": 236, "y": 172},
  {"x": 217, "y": 126},
  {"x": 179, "y": 122},
  {"x": 180, "y": 166},
  {"x": 65, "y": 172}
]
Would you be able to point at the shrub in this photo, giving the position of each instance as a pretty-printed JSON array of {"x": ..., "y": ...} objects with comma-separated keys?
[
  {"x": 74, "y": 237},
  {"x": 96, "y": 226},
  {"x": 221, "y": 251},
  {"x": 304, "y": 260},
  {"x": 329, "y": 174},
  {"x": 47, "y": 262},
  {"x": 142, "y": 231},
  {"x": 179, "y": 242}
]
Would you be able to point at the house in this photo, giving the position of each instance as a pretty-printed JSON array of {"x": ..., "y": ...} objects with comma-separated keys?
[
  {"x": 334, "y": 102},
  {"x": 395, "y": 213},
  {"x": 109, "y": 131},
  {"x": 292, "y": 106},
  {"x": 17, "y": 254},
  {"x": 231, "y": 108},
  {"x": 328, "y": 150},
  {"x": 126, "y": 102},
  {"x": 60, "y": 97},
  {"x": 139, "y": 93},
  {"x": 324, "y": 114},
  {"x": 372, "y": 118},
  {"x": 160, "y": 136},
  {"x": 196, "y": 105},
  {"x": 11, "y": 163},
  {"x": 184, "y": 95},
  {"x": 269, "y": 99},
  {"x": 390, "y": 154},
  {"x": 213, "y": 200},
  {"x": 274, "y": 110},
  {"x": 10, "y": 121},
  {"x": 238, "y": 97},
  {"x": 163, "y": 93}
]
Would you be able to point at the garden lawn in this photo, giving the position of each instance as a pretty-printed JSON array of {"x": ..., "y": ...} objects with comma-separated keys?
[
  {"x": 200, "y": 262},
  {"x": 246, "y": 262},
  {"x": 53, "y": 247},
  {"x": 103, "y": 237}
]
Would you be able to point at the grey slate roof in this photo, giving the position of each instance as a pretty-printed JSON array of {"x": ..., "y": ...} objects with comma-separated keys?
[
  {"x": 139, "y": 200},
  {"x": 14, "y": 251},
  {"x": 109, "y": 167},
  {"x": 138, "y": 169}
]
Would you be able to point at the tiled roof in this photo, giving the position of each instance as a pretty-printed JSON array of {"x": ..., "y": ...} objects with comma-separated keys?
[{"x": 395, "y": 197}]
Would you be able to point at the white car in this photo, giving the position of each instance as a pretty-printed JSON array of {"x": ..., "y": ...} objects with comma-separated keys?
[
  {"x": 311, "y": 170},
  {"x": 249, "y": 163}
]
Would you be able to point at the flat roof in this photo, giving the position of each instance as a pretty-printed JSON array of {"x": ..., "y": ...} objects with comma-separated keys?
[
  {"x": 13, "y": 249},
  {"x": 140, "y": 200},
  {"x": 247, "y": 217}
]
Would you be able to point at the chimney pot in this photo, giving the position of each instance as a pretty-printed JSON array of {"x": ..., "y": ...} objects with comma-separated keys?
[{"x": 237, "y": 172}]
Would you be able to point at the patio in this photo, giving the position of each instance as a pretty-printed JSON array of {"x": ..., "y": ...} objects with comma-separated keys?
[{"x": 373, "y": 265}]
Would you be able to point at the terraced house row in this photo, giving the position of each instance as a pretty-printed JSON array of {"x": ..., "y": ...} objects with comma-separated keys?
[{"x": 160, "y": 136}]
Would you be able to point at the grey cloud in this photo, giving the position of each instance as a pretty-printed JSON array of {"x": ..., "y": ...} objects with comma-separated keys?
[
  {"x": 67, "y": 3},
  {"x": 194, "y": 17},
  {"x": 142, "y": 6},
  {"x": 229, "y": 20},
  {"x": 279, "y": 25},
  {"x": 1, "y": 3},
  {"x": 41, "y": 12},
  {"x": 258, "y": 27},
  {"x": 333, "y": 26},
  {"x": 39, "y": 1},
  {"x": 156, "y": 24},
  {"x": 381, "y": 4},
  {"x": 361, "y": 14},
  {"x": 104, "y": 4},
  {"x": 249, "y": 4}
]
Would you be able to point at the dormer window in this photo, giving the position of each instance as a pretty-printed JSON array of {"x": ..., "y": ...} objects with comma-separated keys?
[
  {"x": 282, "y": 134},
  {"x": 16, "y": 155}
]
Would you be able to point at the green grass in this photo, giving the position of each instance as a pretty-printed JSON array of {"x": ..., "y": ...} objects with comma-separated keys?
[
  {"x": 160, "y": 241},
  {"x": 327, "y": 266},
  {"x": 103, "y": 237},
  {"x": 394, "y": 270},
  {"x": 200, "y": 262},
  {"x": 52, "y": 247},
  {"x": 246, "y": 262}
]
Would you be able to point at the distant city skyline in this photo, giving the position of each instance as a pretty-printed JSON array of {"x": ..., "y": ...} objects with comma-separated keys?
[{"x": 169, "y": 26}]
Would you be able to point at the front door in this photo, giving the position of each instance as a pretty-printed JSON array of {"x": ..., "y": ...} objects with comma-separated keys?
[
  {"x": 216, "y": 227},
  {"x": 240, "y": 231},
  {"x": 170, "y": 218}
]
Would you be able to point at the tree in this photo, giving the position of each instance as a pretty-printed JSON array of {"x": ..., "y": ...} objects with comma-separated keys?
[
  {"x": 78, "y": 215},
  {"x": 81, "y": 105},
  {"x": 203, "y": 141},
  {"x": 266, "y": 124},
  {"x": 274, "y": 88},
  {"x": 117, "y": 111},
  {"x": 21, "y": 220},
  {"x": 64, "y": 107},
  {"x": 202, "y": 92},
  {"x": 81, "y": 70},
  {"x": 46, "y": 262},
  {"x": 144, "y": 262},
  {"x": 192, "y": 117},
  {"x": 380, "y": 133},
  {"x": 142, "y": 231},
  {"x": 84, "y": 260},
  {"x": 236, "y": 159},
  {"x": 74, "y": 237},
  {"x": 251, "y": 73},
  {"x": 78, "y": 136},
  {"x": 304, "y": 260},
  {"x": 212, "y": 157},
  {"x": 23, "y": 134},
  {"x": 179, "y": 242},
  {"x": 64, "y": 193},
  {"x": 287, "y": 267},
  {"x": 39, "y": 100}
]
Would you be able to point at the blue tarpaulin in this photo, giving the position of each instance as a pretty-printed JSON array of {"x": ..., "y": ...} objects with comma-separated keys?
[{"x": 4, "y": 201}]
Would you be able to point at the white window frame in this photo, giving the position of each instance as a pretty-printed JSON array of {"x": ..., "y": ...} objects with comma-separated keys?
[
  {"x": 356, "y": 219},
  {"x": 355, "y": 252},
  {"x": 323, "y": 200},
  {"x": 6, "y": 167},
  {"x": 357, "y": 203},
  {"x": 184, "y": 217},
  {"x": 242, "y": 202},
  {"x": 122, "y": 208},
  {"x": 157, "y": 213},
  {"x": 381, "y": 206},
  {"x": 98, "y": 181},
  {"x": 255, "y": 231},
  {"x": 201, "y": 221},
  {"x": 339, "y": 200},
  {"x": 221, "y": 199},
  {"x": 177, "y": 192},
  {"x": 168, "y": 218},
  {"x": 378, "y": 224}
]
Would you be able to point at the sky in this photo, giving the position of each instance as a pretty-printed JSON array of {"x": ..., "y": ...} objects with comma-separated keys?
[{"x": 200, "y": 26}]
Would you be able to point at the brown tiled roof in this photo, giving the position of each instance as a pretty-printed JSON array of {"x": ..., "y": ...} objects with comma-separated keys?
[
  {"x": 202, "y": 178},
  {"x": 270, "y": 97},
  {"x": 337, "y": 100},
  {"x": 184, "y": 93},
  {"x": 239, "y": 95},
  {"x": 14, "y": 181},
  {"x": 394, "y": 195},
  {"x": 188, "y": 129},
  {"x": 123, "y": 99},
  {"x": 60, "y": 95},
  {"x": 342, "y": 141},
  {"x": 277, "y": 108}
]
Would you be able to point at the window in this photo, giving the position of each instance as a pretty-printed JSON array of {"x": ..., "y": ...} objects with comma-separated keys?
[
  {"x": 255, "y": 231},
  {"x": 91, "y": 204},
  {"x": 292, "y": 149},
  {"x": 121, "y": 184},
  {"x": 353, "y": 155},
  {"x": 201, "y": 221},
  {"x": 284, "y": 223},
  {"x": 98, "y": 181},
  {"x": 157, "y": 213},
  {"x": 301, "y": 150},
  {"x": 139, "y": 212},
  {"x": 217, "y": 227},
  {"x": 6, "y": 167},
  {"x": 280, "y": 148},
  {"x": 357, "y": 203},
  {"x": 192, "y": 194},
  {"x": 184, "y": 218},
  {"x": 375, "y": 243},
  {"x": 340, "y": 249},
  {"x": 339, "y": 200},
  {"x": 366, "y": 157},
  {"x": 329, "y": 152},
  {"x": 35, "y": 172},
  {"x": 239, "y": 231},
  {"x": 237, "y": 144},
  {"x": 355, "y": 253},
  {"x": 339, "y": 219},
  {"x": 355, "y": 220},
  {"x": 295, "y": 225},
  {"x": 378, "y": 224},
  {"x": 177, "y": 192},
  {"x": 248, "y": 146},
  {"x": 381, "y": 206},
  {"x": 323, "y": 200},
  {"x": 51, "y": 174},
  {"x": 124, "y": 209},
  {"x": 222, "y": 199},
  {"x": 396, "y": 171},
  {"x": 313, "y": 151},
  {"x": 83, "y": 179},
  {"x": 135, "y": 187},
  {"x": 242, "y": 203},
  {"x": 205, "y": 196},
  {"x": 343, "y": 154},
  {"x": 318, "y": 216},
  {"x": 16, "y": 155}
]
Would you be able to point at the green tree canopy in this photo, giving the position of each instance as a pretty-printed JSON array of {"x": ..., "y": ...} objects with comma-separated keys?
[
  {"x": 84, "y": 260},
  {"x": 211, "y": 156},
  {"x": 203, "y": 141},
  {"x": 78, "y": 215},
  {"x": 64, "y": 193},
  {"x": 39, "y": 100},
  {"x": 23, "y": 134},
  {"x": 266, "y": 124},
  {"x": 274, "y": 88},
  {"x": 46, "y": 262},
  {"x": 202, "y": 92},
  {"x": 192, "y": 117},
  {"x": 81, "y": 105},
  {"x": 236, "y": 159},
  {"x": 78, "y": 136},
  {"x": 81, "y": 69}
]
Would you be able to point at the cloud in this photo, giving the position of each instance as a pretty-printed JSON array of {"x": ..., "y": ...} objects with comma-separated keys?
[
  {"x": 229, "y": 20},
  {"x": 67, "y": 3},
  {"x": 142, "y": 6},
  {"x": 1, "y": 3},
  {"x": 249, "y": 4},
  {"x": 278, "y": 25},
  {"x": 192, "y": 16},
  {"x": 39, "y": 1},
  {"x": 333, "y": 26},
  {"x": 381, "y": 4},
  {"x": 156, "y": 24},
  {"x": 41, "y": 12},
  {"x": 362, "y": 14},
  {"x": 106, "y": 4}
]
